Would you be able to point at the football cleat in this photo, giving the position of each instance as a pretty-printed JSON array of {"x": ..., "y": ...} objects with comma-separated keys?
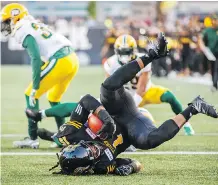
[
  {"x": 34, "y": 115},
  {"x": 26, "y": 143},
  {"x": 45, "y": 134},
  {"x": 159, "y": 48},
  {"x": 162, "y": 44},
  {"x": 201, "y": 106}
]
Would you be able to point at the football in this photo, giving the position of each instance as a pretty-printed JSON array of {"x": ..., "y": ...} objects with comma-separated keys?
[{"x": 94, "y": 123}]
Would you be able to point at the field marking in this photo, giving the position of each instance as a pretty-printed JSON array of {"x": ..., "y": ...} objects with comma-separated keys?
[
  {"x": 24, "y": 135},
  {"x": 127, "y": 153}
]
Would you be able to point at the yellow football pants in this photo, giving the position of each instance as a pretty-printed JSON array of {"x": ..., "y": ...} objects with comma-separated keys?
[
  {"x": 153, "y": 95},
  {"x": 56, "y": 76}
]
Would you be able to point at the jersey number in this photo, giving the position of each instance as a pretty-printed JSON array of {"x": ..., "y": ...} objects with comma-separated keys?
[{"x": 45, "y": 33}]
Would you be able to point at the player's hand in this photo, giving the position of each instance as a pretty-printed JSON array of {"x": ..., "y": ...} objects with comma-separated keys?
[
  {"x": 159, "y": 48},
  {"x": 108, "y": 128},
  {"x": 124, "y": 170},
  {"x": 32, "y": 100}
]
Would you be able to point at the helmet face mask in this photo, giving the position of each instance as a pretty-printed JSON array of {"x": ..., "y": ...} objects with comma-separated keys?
[
  {"x": 125, "y": 55},
  {"x": 6, "y": 28},
  {"x": 125, "y": 48}
]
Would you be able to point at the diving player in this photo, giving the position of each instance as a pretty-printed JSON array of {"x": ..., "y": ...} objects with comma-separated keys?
[
  {"x": 102, "y": 148},
  {"x": 51, "y": 75},
  {"x": 141, "y": 87}
]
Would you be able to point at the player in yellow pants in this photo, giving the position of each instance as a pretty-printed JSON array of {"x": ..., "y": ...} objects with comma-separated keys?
[{"x": 52, "y": 76}]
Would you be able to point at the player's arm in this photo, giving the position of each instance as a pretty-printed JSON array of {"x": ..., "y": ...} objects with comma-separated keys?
[
  {"x": 107, "y": 69},
  {"x": 88, "y": 104},
  {"x": 142, "y": 84},
  {"x": 125, "y": 166},
  {"x": 32, "y": 48}
]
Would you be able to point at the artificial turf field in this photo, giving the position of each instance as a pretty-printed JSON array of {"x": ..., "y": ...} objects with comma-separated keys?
[{"x": 161, "y": 168}]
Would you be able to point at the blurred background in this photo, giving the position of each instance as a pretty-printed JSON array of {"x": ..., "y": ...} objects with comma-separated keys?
[{"x": 94, "y": 26}]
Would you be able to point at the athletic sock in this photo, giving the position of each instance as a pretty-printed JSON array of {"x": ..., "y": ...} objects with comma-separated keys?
[
  {"x": 32, "y": 126},
  {"x": 169, "y": 97},
  {"x": 188, "y": 112},
  {"x": 59, "y": 120},
  {"x": 60, "y": 110}
]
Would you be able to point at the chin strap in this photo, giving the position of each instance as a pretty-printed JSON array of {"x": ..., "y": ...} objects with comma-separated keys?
[{"x": 55, "y": 166}]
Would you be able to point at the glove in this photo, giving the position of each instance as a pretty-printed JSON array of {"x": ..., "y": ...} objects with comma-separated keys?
[
  {"x": 32, "y": 100},
  {"x": 158, "y": 49},
  {"x": 108, "y": 128},
  {"x": 124, "y": 170}
]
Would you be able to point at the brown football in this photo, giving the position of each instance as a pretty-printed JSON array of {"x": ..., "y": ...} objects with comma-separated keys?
[{"x": 94, "y": 123}]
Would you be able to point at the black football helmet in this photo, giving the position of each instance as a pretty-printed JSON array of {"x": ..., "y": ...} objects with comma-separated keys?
[{"x": 79, "y": 159}]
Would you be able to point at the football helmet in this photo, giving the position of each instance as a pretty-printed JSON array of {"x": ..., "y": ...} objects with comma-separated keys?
[
  {"x": 79, "y": 159},
  {"x": 125, "y": 48},
  {"x": 10, "y": 15}
]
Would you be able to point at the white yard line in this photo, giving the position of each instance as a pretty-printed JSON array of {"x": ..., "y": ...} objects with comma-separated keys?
[{"x": 128, "y": 153}]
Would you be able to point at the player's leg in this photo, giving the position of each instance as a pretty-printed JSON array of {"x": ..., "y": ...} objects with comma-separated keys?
[
  {"x": 214, "y": 73},
  {"x": 62, "y": 110},
  {"x": 122, "y": 75},
  {"x": 168, "y": 97},
  {"x": 69, "y": 65},
  {"x": 32, "y": 126},
  {"x": 171, "y": 127},
  {"x": 158, "y": 94}
]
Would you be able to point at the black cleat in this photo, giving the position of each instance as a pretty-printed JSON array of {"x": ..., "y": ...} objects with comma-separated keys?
[
  {"x": 158, "y": 48},
  {"x": 34, "y": 115},
  {"x": 45, "y": 134},
  {"x": 203, "y": 107},
  {"x": 162, "y": 44}
]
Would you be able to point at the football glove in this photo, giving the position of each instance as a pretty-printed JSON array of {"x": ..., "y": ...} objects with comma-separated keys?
[
  {"x": 108, "y": 128},
  {"x": 124, "y": 170},
  {"x": 158, "y": 49},
  {"x": 32, "y": 100}
]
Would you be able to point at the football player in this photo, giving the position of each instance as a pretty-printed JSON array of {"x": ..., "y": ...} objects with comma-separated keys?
[
  {"x": 141, "y": 86},
  {"x": 98, "y": 151},
  {"x": 51, "y": 76}
]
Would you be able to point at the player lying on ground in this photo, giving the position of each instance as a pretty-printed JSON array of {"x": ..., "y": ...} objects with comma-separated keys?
[
  {"x": 52, "y": 75},
  {"x": 98, "y": 152},
  {"x": 141, "y": 86}
]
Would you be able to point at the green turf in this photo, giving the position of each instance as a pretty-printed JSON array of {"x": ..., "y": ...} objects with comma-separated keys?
[{"x": 164, "y": 169}]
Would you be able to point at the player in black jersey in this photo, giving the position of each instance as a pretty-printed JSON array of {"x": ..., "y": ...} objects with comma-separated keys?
[{"x": 95, "y": 153}]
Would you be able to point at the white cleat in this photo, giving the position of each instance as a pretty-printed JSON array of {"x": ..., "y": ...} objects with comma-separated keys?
[
  {"x": 26, "y": 143},
  {"x": 189, "y": 131}
]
